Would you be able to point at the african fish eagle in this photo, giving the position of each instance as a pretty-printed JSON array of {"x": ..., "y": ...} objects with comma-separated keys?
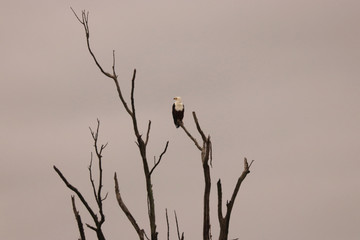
[{"x": 178, "y": 111}]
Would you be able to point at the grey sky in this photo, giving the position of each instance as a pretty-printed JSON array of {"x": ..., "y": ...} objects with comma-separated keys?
[{"x": 274, "y": 81}]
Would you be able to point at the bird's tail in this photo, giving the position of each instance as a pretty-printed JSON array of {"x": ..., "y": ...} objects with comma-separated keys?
[{"x": 178, "y": 123}]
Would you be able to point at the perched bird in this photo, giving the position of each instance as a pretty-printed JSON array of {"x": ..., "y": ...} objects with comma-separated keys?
[{"x": 178, "y": 111}]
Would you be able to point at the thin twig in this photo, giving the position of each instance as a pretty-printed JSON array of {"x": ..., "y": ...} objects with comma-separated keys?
[
  {"x": 76, "y": 15},
  {"x": 113, "y": 66},
  {"x": 250, "y": 164},
  {"x": 157, "y": 163},
  {"x": 91, "y": 227}
]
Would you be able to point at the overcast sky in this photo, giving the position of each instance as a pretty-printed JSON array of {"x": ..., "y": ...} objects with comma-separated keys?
[{"x": 274, "y": 81}]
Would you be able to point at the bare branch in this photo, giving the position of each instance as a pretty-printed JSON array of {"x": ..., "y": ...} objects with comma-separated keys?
[
  {"x": 190, "y": 136},
  {"x": 97, "y": 193},
  {"x": 126, "y": 210},
  {"x": 148, "y": 133},
  {"x": 167, "y": 224},
  {"x": 207, "y": 179},
  {"x": 91, "y": 179},
  {"x": 76, "y": 15},
  {"x": 98, "y": 223},
  {"x": 121, "y": 96},
  {"x": 198, "y": 127},
  {"x": 78, "y": 219},
  {"x": 132, "y": 93},
  {"x": 177, "y": 228},
  {"x": 103, "y": 199},
  {"x": 225, "y": 220},
  {"x": 133, "y": 115},
  {"x": 250, "y": 164},
  {"x": 219, "y": 188},
  {"x": 91, "y": 227},
  {"x": 142, "y": 148},
  {"x": 238, "y": 184},
  {"x": 146, "y": 235},
  {"x": 157, "y": 163},
  {"x": 99, "y": 199},
  {"x": 72, "y": 188},
  {"x": 113, "y": 66},
  {"x": 84, "y": 21}
]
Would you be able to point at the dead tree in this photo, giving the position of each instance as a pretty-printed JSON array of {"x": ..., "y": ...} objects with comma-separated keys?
[
  {"x": 206, "y": 159},
  {"x": 141, "y": 143}
]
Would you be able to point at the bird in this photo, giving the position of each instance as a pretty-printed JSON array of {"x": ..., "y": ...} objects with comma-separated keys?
[{"x": 178, "y": 109}]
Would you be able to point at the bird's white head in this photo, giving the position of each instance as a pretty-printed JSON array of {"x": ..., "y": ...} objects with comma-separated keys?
[{"x": 177, "y": 99}]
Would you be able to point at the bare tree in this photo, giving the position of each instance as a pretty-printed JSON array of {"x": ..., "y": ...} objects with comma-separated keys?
[
  {"x": 141, "y": 143},
  {"x": 97, "y": 191},
  {"x": 205, "y": 149},
  {"x": 206, "y": 158}
]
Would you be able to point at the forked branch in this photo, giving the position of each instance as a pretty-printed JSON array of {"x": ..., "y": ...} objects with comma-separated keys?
[
  {"x": 96, "y": 190},
  {"x": 158, "y": 162},
  {"x": 84, "y": 20},
  {"x": 225, "y": 220},
  {"x": 98, "y": 223},
  {"x": 98, "y": 151}
]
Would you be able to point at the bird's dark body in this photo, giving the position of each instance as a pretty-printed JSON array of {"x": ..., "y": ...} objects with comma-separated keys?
[{"x": 177, "y": 115}]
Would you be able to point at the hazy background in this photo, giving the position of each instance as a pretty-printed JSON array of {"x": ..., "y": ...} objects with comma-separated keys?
[{"x": 274, "y": 81}]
